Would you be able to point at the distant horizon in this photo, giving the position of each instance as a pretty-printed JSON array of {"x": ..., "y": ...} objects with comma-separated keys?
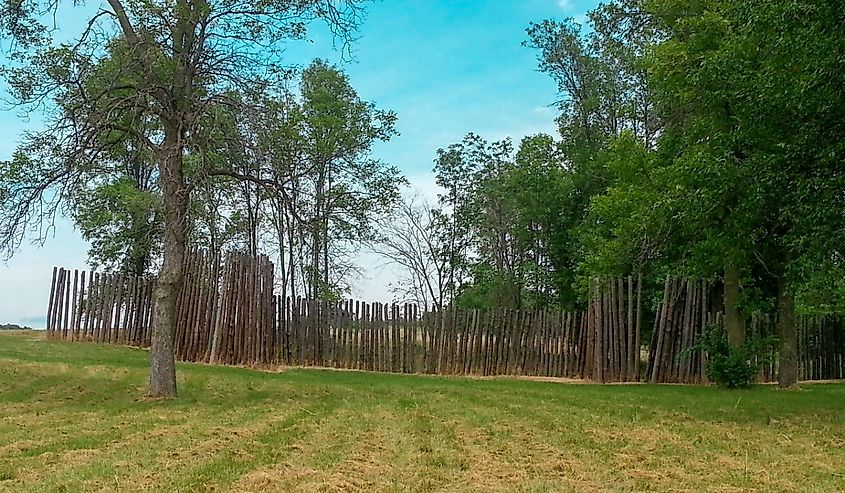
[{"x": 21, "y": 327}]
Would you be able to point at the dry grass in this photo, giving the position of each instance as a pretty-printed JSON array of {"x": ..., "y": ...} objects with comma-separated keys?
[{"x": 71, "y": 420}]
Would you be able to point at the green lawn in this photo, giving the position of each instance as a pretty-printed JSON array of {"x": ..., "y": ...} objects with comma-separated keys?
[{"x": 72, "y": 419}]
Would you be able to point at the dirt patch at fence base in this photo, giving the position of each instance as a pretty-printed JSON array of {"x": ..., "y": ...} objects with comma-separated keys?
[
  {"x": 529, "y": 378},
  {"x": 567, "y": 380},
  {"x": 564, "y": 380}
]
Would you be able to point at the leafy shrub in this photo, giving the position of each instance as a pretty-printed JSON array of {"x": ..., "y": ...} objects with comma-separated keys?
[{"x": 733, "y": 367}]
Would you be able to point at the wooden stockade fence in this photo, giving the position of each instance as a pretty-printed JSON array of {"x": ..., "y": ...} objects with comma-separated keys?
[
  {"x": 679, "y": 323},
  {"x": 689, "y": 308},
  {"x": 613, "y": 326},
  {"x": 228, "y": 314},
  {"x": 225, "y": 313},
  {"x": 821, "y": 346},
  {"x": 233, "y": 327},
  {"x": 402, "y": 339},
  {"x": 100, "y": 307}
]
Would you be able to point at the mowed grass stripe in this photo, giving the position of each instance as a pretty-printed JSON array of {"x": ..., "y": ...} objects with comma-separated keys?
[{"x": 72, "y": 418}]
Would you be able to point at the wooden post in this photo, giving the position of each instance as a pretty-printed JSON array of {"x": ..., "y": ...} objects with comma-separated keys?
[
  {"x": 659, "y": 332},
  {"x": 50, "y": 321}
]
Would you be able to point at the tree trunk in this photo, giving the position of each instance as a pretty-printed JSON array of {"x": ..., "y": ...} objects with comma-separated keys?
[
  {"x": 251, "y": 222},
  {"x": 140, "y": 251},
  {"x": 174, "y": 195},
  {"x": 279, "y": 208},
  {"x": 734, "y": 319},
  {"x": 788, "y": 369},
  {"x": 325, "y": 231},
  {"x": 139, "y": 260}
]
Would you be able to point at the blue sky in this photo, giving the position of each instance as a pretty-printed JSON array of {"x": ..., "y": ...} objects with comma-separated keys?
[{"x": 445, "y": 67}]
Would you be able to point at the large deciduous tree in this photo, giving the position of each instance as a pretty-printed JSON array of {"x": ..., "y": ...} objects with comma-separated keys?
[
  {"x": 754, "y": 89},
  {"x": 151, "y": 72},
  {"x": 746, "y": 179},
  {"x": 348, "y": 189}
]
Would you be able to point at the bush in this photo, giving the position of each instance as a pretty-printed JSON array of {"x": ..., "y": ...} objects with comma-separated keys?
[
  {"x": 733, "y": 370},
  {"x": 733, "y": 367}
]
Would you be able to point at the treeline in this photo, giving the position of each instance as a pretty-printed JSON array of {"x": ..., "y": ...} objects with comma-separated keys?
[
  {"x": 13, "y": 327},
  {"x": 696, "y": 139},
  {"x": 287, "y": 172}
]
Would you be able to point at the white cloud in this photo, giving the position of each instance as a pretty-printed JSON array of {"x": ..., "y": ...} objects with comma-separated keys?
[
  {"x": 376, "y": 279},
  {"x": 566, "y": 5}
]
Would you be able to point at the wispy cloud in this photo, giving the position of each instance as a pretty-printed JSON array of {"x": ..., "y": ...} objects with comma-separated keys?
[{"x": 566, "y": 5}]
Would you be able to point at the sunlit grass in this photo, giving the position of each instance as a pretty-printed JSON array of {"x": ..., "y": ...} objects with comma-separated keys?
[{"x": 73, "y": 418}]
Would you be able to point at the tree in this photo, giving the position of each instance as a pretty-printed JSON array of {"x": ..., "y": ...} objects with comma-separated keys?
[
  {"x": 416, "y": 241},
  {"x": 120, "y": 214},
  {"x": 314, "y": 192},
  {"x": 476, "y": 238},
  {"x": 748, "y": 164},
  {"x": 348, "y": 188},
  {"x": 773, "y": 119},
  {"x": 508, "y": 222},
  {"x": 605, "y": 97},
  {"x": 601, "y": 81},
  {"x": 150, "y": 71},
  {"x": 539, "y": 195}
]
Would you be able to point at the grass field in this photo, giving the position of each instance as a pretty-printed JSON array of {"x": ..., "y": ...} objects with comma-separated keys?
[{"x": 72, "y": 419}]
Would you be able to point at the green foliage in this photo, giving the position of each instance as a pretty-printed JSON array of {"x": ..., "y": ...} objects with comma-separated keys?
[
  {"x": 728, "y": 366},
  {"x": 490, "y": 287},
  {"x": 755, "y": 143},
  {"x": 628, "y": 225},
  {"x": 521, "y": 218},
  {"x": 123, "y": 224},
  {"x": 13, "y": 327},
  {"x": 509, "y": 222},
  {"x": 349, "y": 189},
  {"x": 742, "y": 168}
]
